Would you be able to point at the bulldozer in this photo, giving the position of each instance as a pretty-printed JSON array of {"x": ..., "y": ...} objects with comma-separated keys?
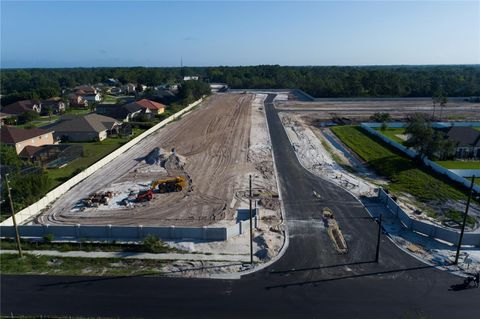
[{"x": 175, "y": 184}]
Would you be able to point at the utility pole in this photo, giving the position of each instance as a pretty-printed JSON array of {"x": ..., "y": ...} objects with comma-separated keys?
[
  {"x": 251, "y": 227},
  {"x": 17, "y": 235},
  {"x": 377, "y": 253},
  {"x": 464, "y": 221}
]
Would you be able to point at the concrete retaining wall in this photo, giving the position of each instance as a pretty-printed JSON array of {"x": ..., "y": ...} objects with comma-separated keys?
[
  {"x": 36, "y": 208},
  {"x": 411, "y": 153},
  {"x": 133, "y": 233},
  {"x": 431, "y": 230},
  {"x": 466, "y": 172}
]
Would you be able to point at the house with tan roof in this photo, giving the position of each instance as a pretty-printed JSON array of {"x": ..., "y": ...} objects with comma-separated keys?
[{"x": 21, "y": 138}]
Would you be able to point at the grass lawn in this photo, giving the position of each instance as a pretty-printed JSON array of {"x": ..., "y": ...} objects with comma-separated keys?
[
  {"x": 392, "y": 132},
  {"x": 29, "y": 264},
  {"x": 477, "y": 128},
  {"x": 72, "y": 111},
  {"x": 460, "y": 164},
  {"x": 93, "y": 152},
  {"x": 404, "y": 174},
  {"x": 160, "y": 247},
  {"x": 41, "y": 121},
  {"x": 109, "y": 99},
  {"x": 477, "y": 179}
]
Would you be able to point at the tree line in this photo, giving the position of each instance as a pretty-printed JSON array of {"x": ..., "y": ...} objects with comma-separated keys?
[{"x": 318, "y": 81}]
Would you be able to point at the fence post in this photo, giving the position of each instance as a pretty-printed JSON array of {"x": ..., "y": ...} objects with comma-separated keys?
[{"x": 77, "y": 230}]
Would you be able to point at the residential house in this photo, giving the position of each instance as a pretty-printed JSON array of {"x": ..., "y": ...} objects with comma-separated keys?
[
  {"x": 90, "y": 127},
  {"x": 129, "y": 88},
  {"x": 85, "y": 89},
  {"x": 88, "y": 93},
  {"x": 116, "y": 90},
  {"x": 21, "y": 107},
  {"x": 92, "y": 98},
  {"x": 467, "y": 141},
  {"x": 77, "y": 101},
  {"x": 124, "y": 112},
  {"x": 190, "y": 78},
  {"x": 55, "y": 104},
  {"x": 21, "y": 138},
  {"x": 155, "y": 107}
]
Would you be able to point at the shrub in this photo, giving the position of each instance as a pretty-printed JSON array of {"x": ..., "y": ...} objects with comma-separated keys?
[{"x": 152, "y": 244}]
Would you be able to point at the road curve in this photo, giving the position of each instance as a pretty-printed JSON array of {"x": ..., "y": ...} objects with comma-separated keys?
[{"x": 310, "y": 280}]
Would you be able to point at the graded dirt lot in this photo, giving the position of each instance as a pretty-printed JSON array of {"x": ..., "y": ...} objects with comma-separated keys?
[
  {"x": 211, "y": 151},
  {"x": 360, "y": 109}
]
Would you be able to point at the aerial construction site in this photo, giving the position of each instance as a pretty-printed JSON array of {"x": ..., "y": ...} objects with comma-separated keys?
[{"x": 193, "y": 172}]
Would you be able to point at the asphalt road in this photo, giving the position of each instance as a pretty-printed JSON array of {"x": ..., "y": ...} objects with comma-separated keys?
[{"x": 310, "y": 281}]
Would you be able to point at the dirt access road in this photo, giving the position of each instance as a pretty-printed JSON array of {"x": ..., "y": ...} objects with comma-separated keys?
[
  {"x": 361, "y": 109},
  {"x": 212, "y": 146}
]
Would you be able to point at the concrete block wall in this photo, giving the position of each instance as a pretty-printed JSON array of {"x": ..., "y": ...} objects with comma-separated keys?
[
  {"x": 134, "y": 233},
  {"x": 432, "y": 230},
  {"x": 36, "y": 208}
]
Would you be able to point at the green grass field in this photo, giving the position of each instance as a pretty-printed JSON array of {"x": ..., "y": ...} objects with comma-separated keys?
[
  {"x": 392, "y": 132},
  {"x": 460, "y": 164},
  {"x": 47, "y": 265},
  {"x": 109, "y": 99},
  {"x": 93, "y": 152},
  {"x": 404, "y": 174},
  {"x": 72, "y": 111}
]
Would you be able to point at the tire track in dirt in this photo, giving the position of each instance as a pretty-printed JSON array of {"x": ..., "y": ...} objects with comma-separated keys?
[{"x": 214, "y": 141}]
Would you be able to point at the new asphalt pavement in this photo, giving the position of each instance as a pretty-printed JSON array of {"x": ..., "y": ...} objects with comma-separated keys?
[{"x": 311, "y": 280}]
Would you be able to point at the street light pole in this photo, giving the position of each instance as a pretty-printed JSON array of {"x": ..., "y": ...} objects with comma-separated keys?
[
  {"x": 464, "y": 221},
  {"x": 17, "y": 235},
  {"x": 377, "y": 252},
  {"x": 250, "y": 215}
]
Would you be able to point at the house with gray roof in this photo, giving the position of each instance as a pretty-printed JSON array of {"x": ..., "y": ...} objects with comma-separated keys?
[
  {"x": 467, "y": 141},
  {"x": 90, "y": 127},
  {"x": 125, "y": 113}
]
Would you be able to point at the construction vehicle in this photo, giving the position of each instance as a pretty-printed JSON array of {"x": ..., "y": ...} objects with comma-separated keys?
[
  {"x": 95, "y": 199},
  {"x": 145, "y": 196},
  {"x": 169, "y": 185}
]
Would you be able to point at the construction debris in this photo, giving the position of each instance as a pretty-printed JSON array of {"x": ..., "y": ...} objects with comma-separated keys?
[{"x": 334, "y": 231}]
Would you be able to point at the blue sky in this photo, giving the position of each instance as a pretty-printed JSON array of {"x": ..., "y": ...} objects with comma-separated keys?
[{"x": 135, "y": 33}]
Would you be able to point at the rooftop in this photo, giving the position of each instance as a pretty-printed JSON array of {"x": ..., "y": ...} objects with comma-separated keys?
[{"x": 13, "y": 135}]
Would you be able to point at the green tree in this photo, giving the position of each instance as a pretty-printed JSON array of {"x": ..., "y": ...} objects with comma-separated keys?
[
  {"x": 427, "y": 141},
  {"x": 9, "y": 157},
  {"x": 380, "y": 117},
  {"x": 27, "y": 117}
]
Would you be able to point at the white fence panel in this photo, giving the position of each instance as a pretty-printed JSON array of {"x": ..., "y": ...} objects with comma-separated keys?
[{"x": 432, "y": 230}]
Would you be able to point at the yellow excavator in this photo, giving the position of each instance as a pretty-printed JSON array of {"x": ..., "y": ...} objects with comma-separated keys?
[{"x": 175, "y": 184}]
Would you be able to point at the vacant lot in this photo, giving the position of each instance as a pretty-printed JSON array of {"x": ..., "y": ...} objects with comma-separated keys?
[
  {"x": 361, "y": 109},
  {"x": 405, "y": 175},
  {"x": 212, "y": 144}
]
